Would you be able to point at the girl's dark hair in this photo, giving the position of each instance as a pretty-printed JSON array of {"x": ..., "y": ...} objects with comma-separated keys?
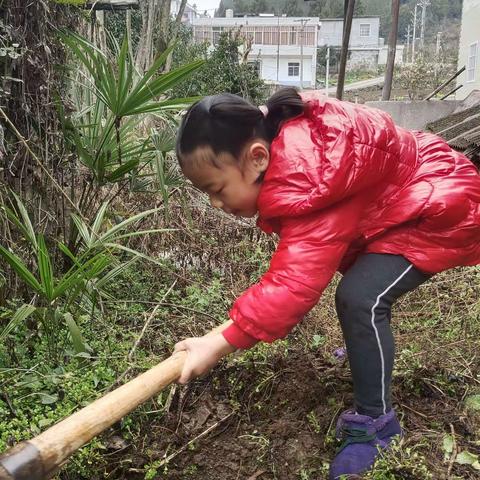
[{"x": 226, "y": 122}]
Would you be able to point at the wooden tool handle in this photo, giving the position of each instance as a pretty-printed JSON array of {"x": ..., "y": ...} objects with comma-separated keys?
[{"x": 40, "y": 457}]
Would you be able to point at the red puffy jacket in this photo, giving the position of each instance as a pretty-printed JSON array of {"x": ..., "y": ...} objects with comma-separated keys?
[{"x": 342, "y": 180}]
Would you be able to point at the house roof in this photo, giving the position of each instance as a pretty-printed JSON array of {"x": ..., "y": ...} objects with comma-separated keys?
[
  {"x": 356, "y": 17},
  {"x": 258, "y": 21},
  {"x": 461, "y": 129}
]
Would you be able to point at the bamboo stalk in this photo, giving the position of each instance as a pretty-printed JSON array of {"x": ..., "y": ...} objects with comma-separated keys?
[
  {"x": 445, "y": 83},
  {"x": 41, "y": 457},
  {"x": 452, "y": 91}
]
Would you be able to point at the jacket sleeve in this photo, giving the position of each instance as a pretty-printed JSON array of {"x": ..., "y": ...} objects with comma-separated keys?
[{"x": 309, "y": 253}]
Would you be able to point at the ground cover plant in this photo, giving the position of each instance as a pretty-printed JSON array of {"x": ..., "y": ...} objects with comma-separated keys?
[{"x": 270, "y": 411}]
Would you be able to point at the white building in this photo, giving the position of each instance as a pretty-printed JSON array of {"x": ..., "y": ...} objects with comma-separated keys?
[
  {"x": 189, "y": 14},
  {"x": 284, "y": 49},
  {"x": 366, "y": 48},
  {"x": 469, "y": 49}
]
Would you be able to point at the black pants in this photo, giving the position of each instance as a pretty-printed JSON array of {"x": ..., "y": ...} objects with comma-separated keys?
[{"x": 364, "y": 299}]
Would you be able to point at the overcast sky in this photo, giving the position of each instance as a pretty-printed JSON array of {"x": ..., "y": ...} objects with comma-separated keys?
[{"x": 209, "y": 5}]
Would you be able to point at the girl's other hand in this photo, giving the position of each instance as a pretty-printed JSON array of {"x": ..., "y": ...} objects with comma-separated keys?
[{"x": 203, "y": 354}]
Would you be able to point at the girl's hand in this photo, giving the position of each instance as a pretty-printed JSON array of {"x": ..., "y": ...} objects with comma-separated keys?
[{"x": 203, "y": 354}]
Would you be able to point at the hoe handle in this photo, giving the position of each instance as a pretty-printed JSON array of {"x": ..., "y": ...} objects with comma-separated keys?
[{"x": 41, "y": 457}]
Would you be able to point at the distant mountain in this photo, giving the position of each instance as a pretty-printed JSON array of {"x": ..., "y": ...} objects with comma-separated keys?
[{"x": 254, "y": 7}]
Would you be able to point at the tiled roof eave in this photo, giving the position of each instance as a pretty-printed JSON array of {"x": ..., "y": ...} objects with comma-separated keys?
[
  {"x": 464, "y": 139},
  {"x": 442, "y": 125}
]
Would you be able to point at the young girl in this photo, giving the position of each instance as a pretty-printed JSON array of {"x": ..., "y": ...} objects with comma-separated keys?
[{"x": 348, "y": 190}]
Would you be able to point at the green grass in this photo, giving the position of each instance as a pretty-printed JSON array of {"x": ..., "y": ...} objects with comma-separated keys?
[
  {"x": 37, "y": 394},
  {"x": 271, "y": 382}
]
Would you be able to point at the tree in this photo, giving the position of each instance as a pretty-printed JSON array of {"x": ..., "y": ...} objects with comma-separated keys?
[
  {"x": 327, "y": 9},
  {"x": 162, "y": 24},
  {"x": 423, "y": 76},
  {"x": 150, "y": 30},
  {"x": 223, "y": 71},
  {"x": 254, "y": 7},
  {"x": 175, "y": 28},
  {"x": 292, "y": 9},
  {"x": 144, "y": 50},
  {"x": 156, "y": 32},
  {"x": 259, "y": 6},
  {"x": 359, "y": 7},
  {"x": 224, "y": 4}
]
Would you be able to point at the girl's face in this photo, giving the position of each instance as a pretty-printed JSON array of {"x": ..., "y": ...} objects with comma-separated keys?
[{"x": 232, "y": 185}]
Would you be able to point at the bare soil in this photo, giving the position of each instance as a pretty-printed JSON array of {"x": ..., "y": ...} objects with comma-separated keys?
[{"x": 281, "y": 427}]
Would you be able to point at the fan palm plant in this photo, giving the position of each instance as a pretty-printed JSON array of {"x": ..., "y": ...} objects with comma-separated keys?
[
  {"x": 117, "y": 98},
  {"x": 111, "y": 103},
  {"x": 58, "y": 295}
]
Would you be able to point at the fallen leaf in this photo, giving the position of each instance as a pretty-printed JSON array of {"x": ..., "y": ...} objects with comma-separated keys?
[{"x": 468, "y": 458}]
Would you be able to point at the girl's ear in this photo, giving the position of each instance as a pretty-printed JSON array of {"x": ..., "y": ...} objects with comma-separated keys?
[{"x": 258, "y": 156}]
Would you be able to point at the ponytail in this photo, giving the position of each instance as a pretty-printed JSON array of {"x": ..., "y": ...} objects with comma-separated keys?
[
  {"x": 226, "y": 122},
  {"x": 282, "y": 105}
]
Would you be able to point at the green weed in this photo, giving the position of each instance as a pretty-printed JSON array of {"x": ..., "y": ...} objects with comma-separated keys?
[{"x": 400, "y": 461}]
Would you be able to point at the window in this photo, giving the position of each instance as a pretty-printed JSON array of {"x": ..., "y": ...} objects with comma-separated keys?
[
  {"x": 309, "y": 36},
  {"x": 258, "y": 35},
  {"x": 217, "y": 31},
  {"x": 293, "y": 36},
  {"x": 472, "y": 62},
  {"x": 364, "y": 29},
  {"x": 268, "y": 36},
  {"x": 293, "y": 69},
  {"x": 248, "y": 33}
]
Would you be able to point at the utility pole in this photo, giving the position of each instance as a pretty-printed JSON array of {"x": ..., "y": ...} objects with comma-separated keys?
[
  {"x": 303, "y": 22},
  {"x": 392, "y": 49},
  {"x": 349, "y": 5},
  {"x": 278, "y": 45},
  {"x": 327, "y": 71},
  {"x": 301, "y": 56},
  {"x": 424, "y": 4},
  {"x": 437, "y": 48},
  {"x": 414, "y": 33},
  {"x": 318, "y": 26},
  {"x": 408, "y": 41}
]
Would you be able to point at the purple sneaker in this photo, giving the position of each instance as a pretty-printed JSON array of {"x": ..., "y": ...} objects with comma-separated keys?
[{"x": 362, "y": 437}]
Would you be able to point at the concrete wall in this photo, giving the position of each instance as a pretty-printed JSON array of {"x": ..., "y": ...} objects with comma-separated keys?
[
  {"x": 383, "y": 55},
  {"x": 267, "y": 56},
  {"x": 415, "y": 115},
  {"x": 367, "y": 59},
  {"x": 331, "y": 32},
  {"x": 268, "y": 70}
]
